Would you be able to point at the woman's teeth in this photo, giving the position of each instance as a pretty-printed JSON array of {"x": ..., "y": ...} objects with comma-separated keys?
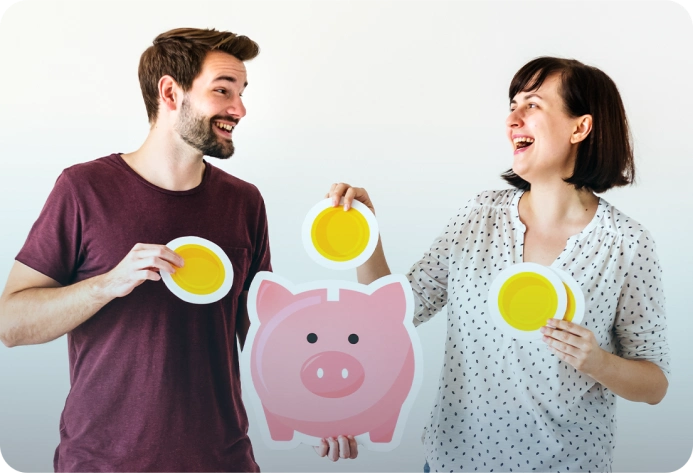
[{"x": 522, "y": 142}]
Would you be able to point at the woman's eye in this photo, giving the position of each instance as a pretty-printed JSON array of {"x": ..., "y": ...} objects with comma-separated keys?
[
  {"x": 223, "y": 91},
  {"x": 532, "y": 105}
]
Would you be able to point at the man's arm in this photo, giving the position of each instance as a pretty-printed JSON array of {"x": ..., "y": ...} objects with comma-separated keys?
[
  {"x": 242, "y": 319},
  {"x": 35, "y": 308}
]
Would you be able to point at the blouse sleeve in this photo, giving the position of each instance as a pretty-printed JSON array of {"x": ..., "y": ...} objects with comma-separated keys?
[
  {"x": 429, "y": 276},
  {"x": 640, "y": 324}
]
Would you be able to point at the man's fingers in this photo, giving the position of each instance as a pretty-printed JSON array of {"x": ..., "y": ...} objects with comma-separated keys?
[
  {"x": 343, "y": 447},
  {"x": 353, "y": 447},
  {"x": 162, "y": 252},
  {"x": 147, "y": 274},
  {"x": 322, "y": 449},
  {"x": 334, "y": 449},
  {"x": 156, "y": 263}
]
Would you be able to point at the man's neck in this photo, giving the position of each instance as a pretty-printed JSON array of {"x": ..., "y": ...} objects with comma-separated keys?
[{"x": 167, "y": 162}]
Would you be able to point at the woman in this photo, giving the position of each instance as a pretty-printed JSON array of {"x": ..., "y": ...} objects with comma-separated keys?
[{"x": 505, "y": 404}]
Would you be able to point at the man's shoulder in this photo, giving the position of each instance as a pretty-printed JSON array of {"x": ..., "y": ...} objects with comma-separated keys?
[
  {"x": 228, "y": 181},
  {"x": 89, "y": 169}
]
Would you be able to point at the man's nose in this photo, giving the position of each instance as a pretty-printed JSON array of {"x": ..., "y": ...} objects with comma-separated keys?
[{"x": 237, "y": 109}]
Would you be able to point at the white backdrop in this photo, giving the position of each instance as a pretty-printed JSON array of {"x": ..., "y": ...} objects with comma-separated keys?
[{"x": 407, "y": 99}]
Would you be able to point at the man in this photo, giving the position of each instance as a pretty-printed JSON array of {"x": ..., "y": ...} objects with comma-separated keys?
[{"x": 154, "y": 380}]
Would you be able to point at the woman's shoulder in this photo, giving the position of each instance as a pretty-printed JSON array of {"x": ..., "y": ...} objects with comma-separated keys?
[
  {"x": 495, "y": 198},
  {"x": 621, "y": 225}
]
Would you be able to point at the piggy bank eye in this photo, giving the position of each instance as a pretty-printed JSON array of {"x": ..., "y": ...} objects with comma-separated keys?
[
  {"x": 312, "y": 338},
  {"x": 353, "y": 339}
]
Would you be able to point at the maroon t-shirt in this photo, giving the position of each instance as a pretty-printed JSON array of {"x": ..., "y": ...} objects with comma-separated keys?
[{"x": 155, "y": 382}]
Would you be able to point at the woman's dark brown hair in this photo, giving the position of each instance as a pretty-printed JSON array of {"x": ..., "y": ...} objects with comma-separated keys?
[
  {"x": 180, "y": 54},
  {"x": 605, "y": 158}
]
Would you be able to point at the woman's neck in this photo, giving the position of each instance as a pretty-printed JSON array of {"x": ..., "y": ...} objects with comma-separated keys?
[{"x": 558, "y": 205}]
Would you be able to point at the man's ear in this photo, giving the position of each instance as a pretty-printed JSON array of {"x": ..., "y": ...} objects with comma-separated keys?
[{"x": 170, "y": 94}]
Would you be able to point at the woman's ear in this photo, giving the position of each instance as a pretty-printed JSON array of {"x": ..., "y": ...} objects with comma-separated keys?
[{"x": 583, "y": 127}]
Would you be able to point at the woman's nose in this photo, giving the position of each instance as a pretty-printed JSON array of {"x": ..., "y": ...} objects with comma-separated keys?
[{"x": 514, "y": 120}]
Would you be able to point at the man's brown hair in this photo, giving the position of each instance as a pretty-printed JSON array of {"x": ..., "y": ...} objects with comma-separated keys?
[
  {"x": 180, "y": 53},
  {"x": 605, "y": 158}
]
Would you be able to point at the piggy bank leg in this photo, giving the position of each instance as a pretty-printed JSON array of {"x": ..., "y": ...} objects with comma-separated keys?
[
  {"x": 384, "y": 432},
  {"x": 278, "y": 431}
]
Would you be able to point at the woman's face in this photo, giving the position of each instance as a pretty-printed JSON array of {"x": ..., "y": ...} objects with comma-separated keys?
[{"x": 542, "y": 134}]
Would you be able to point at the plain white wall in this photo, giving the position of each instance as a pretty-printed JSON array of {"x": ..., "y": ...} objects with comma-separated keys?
[{"x": 407, "y": 99}]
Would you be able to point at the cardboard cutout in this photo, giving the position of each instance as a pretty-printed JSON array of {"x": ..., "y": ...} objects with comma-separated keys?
[
  {"x": 331, "y": 358},
  {"x": 207, "y": 275},
  {"x": 337, "y": 239},
  {"x": 524, "y": 296}
]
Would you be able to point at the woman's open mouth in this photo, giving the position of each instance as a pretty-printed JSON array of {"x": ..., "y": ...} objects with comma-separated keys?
[{"x": 522, "y": 143}]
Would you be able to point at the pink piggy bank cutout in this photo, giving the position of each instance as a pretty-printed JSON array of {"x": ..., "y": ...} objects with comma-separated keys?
[{"x": 331, "y": 358}]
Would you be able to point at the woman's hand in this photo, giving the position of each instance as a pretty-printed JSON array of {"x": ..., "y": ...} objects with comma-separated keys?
[
  {"x": 337, "y": 191},
  {"x": 343, "y": 446},
  {"x": 574, "y": 344}
]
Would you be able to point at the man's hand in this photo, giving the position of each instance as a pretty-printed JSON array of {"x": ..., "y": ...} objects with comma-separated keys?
[
  {"x": 143, "y": 262},
  {"x": 342, "y": 447}
]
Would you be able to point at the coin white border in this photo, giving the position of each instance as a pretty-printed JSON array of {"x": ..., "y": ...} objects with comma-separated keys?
[
  {"x": 507, "y": 273},
  {"x": 352, "y": 263},
  {"x": 577, "y": 295},
  {"x": 200, "y": 298}
]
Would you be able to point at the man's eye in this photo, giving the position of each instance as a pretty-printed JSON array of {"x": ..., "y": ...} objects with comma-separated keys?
[
  {"x": 223, "y": 91},
  {"x": 532, "y": 105}
]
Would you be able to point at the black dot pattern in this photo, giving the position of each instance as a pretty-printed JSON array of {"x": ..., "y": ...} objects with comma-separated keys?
[{"x": 510, "y": 405}]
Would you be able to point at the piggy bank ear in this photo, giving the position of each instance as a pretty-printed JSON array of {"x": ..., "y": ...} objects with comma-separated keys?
[
  {"x": 272, "y": 297},
  {"x": 390, "y": 301}
]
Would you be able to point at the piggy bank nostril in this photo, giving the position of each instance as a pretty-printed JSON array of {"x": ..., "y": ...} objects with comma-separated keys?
[
  {"x": 320, "y": 373},
  {"x": 345, "y": 373}
]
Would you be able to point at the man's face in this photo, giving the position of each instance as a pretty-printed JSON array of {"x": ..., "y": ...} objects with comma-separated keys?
[{"x": 213, "y": 106}]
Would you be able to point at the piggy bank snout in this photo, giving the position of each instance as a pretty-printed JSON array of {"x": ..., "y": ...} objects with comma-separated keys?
[{"x": 332, "y": 374}]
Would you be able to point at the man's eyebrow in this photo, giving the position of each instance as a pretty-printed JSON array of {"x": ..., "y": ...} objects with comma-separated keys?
[
  {"x": 528, "y": 96},
  {"x": 230, "y": 79}
]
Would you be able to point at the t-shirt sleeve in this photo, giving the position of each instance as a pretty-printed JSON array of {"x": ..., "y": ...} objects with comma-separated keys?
[
  {"x": 261, "y": 256},
  {"x": 640, "y": 324},
  {"x": 429, "y": 276},
  {"x": 53, "y": 245}
]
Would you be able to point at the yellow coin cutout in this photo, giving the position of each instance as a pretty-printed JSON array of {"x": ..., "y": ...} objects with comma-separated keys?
[
  {"x": 570, "y": 306},
  {"x": 203, "y": 272},
  {"x": 338, "y": 235},
  {"x": 527, "y": 300}
]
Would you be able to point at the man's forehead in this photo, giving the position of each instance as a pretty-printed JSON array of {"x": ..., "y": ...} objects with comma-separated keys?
[{"x": 221, "y": 65}]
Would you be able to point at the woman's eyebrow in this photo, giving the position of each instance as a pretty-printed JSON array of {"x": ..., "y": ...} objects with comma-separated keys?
[{"x": 528, "y": 96}]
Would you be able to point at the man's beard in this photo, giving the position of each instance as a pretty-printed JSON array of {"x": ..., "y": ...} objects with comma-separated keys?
[{"x": 196, "y": 130}]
